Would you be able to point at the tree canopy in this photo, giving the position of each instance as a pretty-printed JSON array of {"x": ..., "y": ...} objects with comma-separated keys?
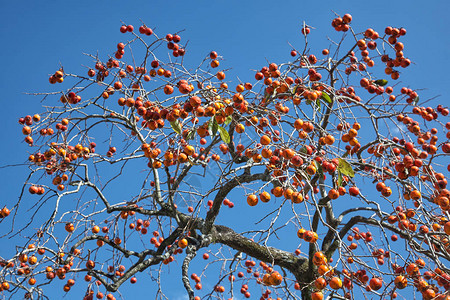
[{"x": 322, "y": 176}]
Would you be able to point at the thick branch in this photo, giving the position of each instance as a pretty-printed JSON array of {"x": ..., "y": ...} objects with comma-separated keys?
[
  {"x": 223, "y": 192},
  {"x": 296, "y": 265}
]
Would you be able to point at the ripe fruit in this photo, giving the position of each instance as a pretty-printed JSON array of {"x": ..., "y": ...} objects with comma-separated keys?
[
  {"x": 306, "y": 30},
  {"x": 215, "y": 63},
  {"x": 118, "y": 85},
  {"x": 335, "y": 283},
  {"x": 320, "y": 283},
  {"x": 400, "y": 282},
  {"x": 26, "y": 130},
  {"x": 298, "y": 124},
  {"x": 329, "y": 139},
  {"x": 317, "y": 296},
  {"x": 265, "y": 197},
  {"x": 252, "y": 200},
  {"x": 239, "y": 128},
  {"x": 323, "y": 270},
  {"x": 69, "y": 227},
  {"x": 168, "y": 89},
  {"x": 277, "y": 191},
  {"x": 296, "y": 160},
  {"x": 182, "y": 243},
  {"x": 4, "y": 212},
  {"x": 347, "y": 18},
  {"x": 311, "y": 169},
  {"x": 447, "y": 227},
  {"x": 375, "y": 283},
  {"x": 333, "y": 194},
  {"x": 95, "y": 229},
  {"x": 353, "y": 191},
  {"x": 275, "y": 278},
  {"x": 415, "y": 195},
  {"x": 213, "y": 55},
  {"x": 265, "y": 140},
  {"x": 90, "y": 264}
]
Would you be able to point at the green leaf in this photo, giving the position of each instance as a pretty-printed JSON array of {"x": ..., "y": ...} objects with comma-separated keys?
[
  {"x": 224, "y": 135},
  {"x": 340, "y": 178},
  {"x": 191, "y": 134},
  {"x": 326, "y": 97},
  {"x": 303, "y": 150},
  {"x": 213, "y": 127},
  {"x": 319, "y": 169},
  {"x": 176, "y": 126},
  {"x": 345, "y": 168},
  {"x": 318, "y": 104},
  {"x": 381, "y": 82},
  {"x": 228, "y": 120}
]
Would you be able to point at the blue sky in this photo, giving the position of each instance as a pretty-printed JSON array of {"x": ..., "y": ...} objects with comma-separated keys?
[{"x": 39, "y": 36}]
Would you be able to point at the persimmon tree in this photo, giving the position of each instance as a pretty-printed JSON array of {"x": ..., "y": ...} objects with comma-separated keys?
[{"x": 333, "y": 171}]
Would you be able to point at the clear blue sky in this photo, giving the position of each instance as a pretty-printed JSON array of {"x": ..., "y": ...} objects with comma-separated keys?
[{"x": 38, "y": 36}]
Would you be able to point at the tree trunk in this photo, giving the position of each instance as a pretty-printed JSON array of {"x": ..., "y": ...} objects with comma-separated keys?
[{"x": 306, "y": 293}]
